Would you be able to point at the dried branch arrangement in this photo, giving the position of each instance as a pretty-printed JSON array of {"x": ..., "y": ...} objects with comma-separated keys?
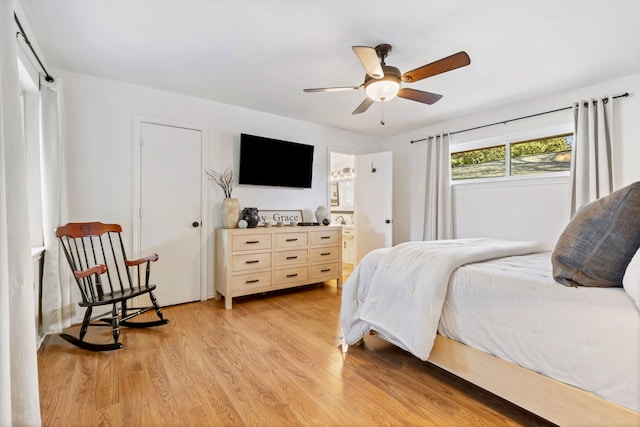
[{"x": 224, "y": 179}]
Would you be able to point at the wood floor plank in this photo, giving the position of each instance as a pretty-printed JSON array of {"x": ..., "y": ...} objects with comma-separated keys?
[{"x": 273, "y": 360}]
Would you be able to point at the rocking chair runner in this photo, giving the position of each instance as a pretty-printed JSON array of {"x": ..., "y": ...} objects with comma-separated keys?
[{"x": 104, "y": 276}]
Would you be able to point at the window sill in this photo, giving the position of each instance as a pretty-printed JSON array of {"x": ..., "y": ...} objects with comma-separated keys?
[
  {"x": 36, "y": 253},
  {"x": 513, "y": 181}
]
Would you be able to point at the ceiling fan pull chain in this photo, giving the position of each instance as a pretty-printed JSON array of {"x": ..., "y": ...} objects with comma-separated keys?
[{"x": 382, "y": 111}]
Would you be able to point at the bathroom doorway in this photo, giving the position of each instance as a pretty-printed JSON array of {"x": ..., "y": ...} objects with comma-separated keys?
[{"x": 341, "y": 204}]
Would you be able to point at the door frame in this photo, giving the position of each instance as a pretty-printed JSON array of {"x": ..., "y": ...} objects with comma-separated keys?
[{"x": 138, "y": 120}]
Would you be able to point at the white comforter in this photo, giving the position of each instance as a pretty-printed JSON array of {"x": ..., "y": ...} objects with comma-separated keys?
[{"x": 404, "y": 297}]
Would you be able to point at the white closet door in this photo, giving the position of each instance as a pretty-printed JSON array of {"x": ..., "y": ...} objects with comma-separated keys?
[{"x": 171, "y": 209}]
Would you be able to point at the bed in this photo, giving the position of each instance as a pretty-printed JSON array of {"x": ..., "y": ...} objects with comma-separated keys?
[{"x": 505, "y": 315}]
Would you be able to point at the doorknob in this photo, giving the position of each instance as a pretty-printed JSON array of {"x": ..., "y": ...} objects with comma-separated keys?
[
  {"x": 387, "y": 221},
  {"x": 195, "y": 224}
]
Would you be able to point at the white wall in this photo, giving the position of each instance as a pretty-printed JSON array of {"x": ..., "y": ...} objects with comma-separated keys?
[
  {"x": 100, "y": 113},
  {"x": 528, "y": 209},
  {"x": 99, "y": 120}
]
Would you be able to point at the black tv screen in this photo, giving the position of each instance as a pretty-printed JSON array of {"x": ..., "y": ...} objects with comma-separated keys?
[{"x": 267, "y": 161}]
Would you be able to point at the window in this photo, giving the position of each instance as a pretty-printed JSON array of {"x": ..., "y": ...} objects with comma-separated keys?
[
  {"x": 551, "y": 154},
  {"x": 481, "y": 163},
  {"x": 30, "y": 100},
  {"x": 539, "y": 155}
]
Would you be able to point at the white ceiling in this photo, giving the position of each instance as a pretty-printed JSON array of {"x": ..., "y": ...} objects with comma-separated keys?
[{"x": 261, "y": 54}]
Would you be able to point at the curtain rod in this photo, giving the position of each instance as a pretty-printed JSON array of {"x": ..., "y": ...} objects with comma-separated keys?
[
  {"x": 47, "y": 76},
  {"x": 503, "y": 122}
]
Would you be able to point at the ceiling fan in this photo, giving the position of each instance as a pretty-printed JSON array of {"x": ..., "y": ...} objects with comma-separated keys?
[{"x": 383, "y": 82}]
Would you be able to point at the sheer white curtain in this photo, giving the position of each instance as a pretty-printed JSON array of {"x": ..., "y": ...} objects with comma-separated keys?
[
  {"x": 19, "y": 397},
  {"x": 591, "y": 167},
  {"x": 438, "y": 213},
  {"x": 58, "y": 306}
]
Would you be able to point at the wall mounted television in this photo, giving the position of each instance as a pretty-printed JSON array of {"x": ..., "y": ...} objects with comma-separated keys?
[{"x": 272, "y": 162}]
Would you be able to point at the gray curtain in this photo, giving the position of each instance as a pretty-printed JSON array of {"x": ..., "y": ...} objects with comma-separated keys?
[
  {"x": 438, "y": 212},
  {"x": 591, "y": 164},
  {"x": 19, "y": 396}
]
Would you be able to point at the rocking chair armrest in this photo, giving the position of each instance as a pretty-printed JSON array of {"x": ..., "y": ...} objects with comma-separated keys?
[
  {"x": 134, "y": 262},
  {"x": 99, "y": 269}
]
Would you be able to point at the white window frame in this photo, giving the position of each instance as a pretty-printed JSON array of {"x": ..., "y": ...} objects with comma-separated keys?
[{"x": 507, "y": 140}]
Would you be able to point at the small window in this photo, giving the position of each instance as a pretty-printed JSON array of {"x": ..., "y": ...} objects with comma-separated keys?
[
  {"x": 535, "y": 156},
  {"x": 482, "y": 163},
  {"x": 541, "y": 155}
]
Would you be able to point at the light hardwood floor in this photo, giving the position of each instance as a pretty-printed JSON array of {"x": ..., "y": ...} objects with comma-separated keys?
[{"x": 272, "y": 360}]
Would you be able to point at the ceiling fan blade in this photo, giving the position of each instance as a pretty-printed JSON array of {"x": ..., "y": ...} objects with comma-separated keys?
[
  {"x": 418, "y": 95},
  {"x": 332, "y": 89},
  {"x": 363, "y": 106},
  {"x": 369, "y": 60},
  {"x": 449, "y": 63}
]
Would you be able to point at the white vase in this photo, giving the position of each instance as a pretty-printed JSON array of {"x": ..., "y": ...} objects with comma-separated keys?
[
  {"x": 321, "y": 214},
  {"x": 230, "y": 212}
]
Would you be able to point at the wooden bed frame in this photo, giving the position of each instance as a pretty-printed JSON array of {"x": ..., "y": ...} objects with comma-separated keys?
[{"x": 553, "y": 400}]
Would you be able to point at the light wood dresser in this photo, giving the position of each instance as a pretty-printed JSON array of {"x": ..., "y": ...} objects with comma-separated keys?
[{"x": 262, "y": 259}]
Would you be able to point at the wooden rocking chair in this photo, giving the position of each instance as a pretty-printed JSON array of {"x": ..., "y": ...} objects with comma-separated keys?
[{"x": 106, "y": 277}]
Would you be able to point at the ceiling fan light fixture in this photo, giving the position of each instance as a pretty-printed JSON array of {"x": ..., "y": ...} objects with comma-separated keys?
[
  {"x": 382, "y": 90},
  {"x": 385, "y": 88}
]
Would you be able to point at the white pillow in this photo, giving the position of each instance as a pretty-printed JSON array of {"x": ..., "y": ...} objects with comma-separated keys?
[{"x": 631, "y": 279}]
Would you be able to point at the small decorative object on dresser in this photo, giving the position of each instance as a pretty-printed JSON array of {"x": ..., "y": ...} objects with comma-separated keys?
[
  {"x": 321, "y": 214},
  {"x": 230, "y": 205},
  {"x": 251, "y": 216}
]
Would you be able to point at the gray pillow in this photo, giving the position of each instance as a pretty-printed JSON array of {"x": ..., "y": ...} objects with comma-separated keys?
[{"x": 599, "y": 241}]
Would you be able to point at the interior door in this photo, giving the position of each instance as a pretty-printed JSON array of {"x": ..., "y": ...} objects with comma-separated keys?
[
  {"x": 373, "y": 182},
  {"x": 170, "y": 209}
]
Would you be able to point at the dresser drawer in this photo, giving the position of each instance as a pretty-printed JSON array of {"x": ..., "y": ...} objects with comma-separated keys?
[
  {"x": 251, "y": 261},
  {"x": 329, "y": 237},
  {"x": 291, "y": 240},
  {"x": 329, "y": 253},
  {"x": 321, "y": 271},
  {"x": 244, "y": 282},
  {"x": 249, "y": 242},
  {"x": 293, "y": 274},
  {"x": 296, "y": 256}
]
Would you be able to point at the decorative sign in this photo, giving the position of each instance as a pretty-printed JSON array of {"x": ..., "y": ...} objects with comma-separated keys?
[{"x": 279, "y": 216}]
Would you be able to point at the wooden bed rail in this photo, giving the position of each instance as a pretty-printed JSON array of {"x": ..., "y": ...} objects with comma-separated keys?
[{"x": 553, "y": 400}]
